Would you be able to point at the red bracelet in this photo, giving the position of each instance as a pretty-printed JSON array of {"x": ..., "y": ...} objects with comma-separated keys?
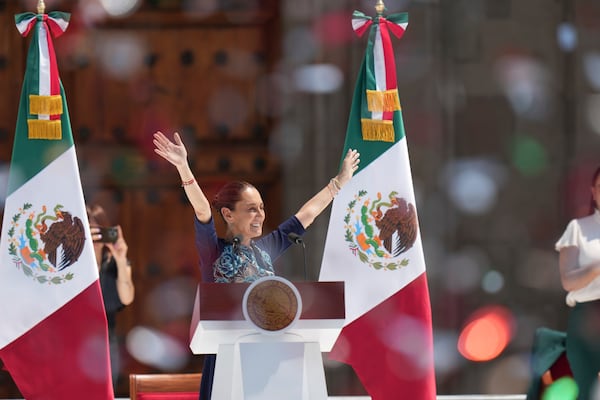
[{"x": 185, "y": 183}]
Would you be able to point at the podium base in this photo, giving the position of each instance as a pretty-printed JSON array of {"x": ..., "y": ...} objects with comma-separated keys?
[{"x": 263, "y": 367}]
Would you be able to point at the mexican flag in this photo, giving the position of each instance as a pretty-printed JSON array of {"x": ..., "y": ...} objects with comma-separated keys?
[
  {"x": 53, "y": 336},
  {"x": 373, "y": 241}
]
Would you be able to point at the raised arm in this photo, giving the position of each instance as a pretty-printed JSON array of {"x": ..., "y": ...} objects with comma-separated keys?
[
  {"x": 175, "y": 153},
  {"x": 315, "y": 206}
]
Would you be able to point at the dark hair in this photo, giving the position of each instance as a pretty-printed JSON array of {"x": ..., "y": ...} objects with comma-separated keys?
[
  {"x": 230, "y": 194},
  {"x": 97, "y": 215},
  {"x": 592, "y": 202}
]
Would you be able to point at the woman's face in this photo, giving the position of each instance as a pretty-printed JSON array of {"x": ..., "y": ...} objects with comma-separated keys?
[{"x": 247, "y": 218}]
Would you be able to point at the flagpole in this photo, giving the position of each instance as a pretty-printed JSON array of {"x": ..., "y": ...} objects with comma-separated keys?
[
  {"x": 41, "y": 7},
  {"x": 379, "y": 7}
]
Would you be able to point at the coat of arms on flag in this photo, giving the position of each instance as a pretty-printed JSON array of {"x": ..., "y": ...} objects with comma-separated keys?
[{"x": 373, "y": 241}]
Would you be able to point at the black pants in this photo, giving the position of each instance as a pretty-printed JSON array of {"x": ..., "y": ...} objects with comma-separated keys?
[
  {"x": 208, "y": 374},
  {"x": 583, "y": 346}
]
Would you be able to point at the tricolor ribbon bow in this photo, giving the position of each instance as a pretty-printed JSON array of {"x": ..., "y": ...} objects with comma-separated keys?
[
  {"x": 42, "y": 81},
  {"x": 381, "y": 96}
]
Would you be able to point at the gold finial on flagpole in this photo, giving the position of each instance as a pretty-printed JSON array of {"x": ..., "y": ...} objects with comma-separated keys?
[
  {"x": 379, "y": 7},
  {"x": 41, "y": 7}
]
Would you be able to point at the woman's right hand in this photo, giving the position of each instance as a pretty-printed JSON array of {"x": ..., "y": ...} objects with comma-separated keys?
[{"x": 173, "y": 152}]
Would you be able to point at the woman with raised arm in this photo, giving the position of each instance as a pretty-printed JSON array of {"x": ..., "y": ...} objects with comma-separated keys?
[
  {"x": 244, "y": 254},
  {"x": 579, "y": 262}
]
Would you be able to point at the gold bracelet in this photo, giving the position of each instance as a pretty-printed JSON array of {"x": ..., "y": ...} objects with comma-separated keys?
[{"x": 185, "y": 183}]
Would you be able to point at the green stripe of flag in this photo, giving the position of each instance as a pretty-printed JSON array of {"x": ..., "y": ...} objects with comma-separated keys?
[
  {"x": 369, "y": 150},
  {"x": 30, "y": 156}
]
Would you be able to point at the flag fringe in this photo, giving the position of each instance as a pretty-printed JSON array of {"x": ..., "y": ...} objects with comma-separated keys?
[
  {"x": 383, "y": 100},
  {"x": 44, "y": 129},
  {"x": 45, "y": 105},
  {"x": 377, "y": 130}
]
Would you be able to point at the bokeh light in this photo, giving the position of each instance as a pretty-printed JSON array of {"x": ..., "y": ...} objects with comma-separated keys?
[
  {"x": 563, "y": 388},
  {"x": 473, "y": 184},
  {"x": 492, "y": 282},
  {"x": 526, "y": 83},
  {"x": 528, "y": 155},
  {"x": 120, "y": 8},
  {"x": 447, "y": 358},
  {"x": 486, "y": 334},
  {"x": 318, "y": 78},
  {"x": 566, "y": 36},
  {"x": 591, "y": 68},
  {"x": 121, "y": 54},
  {"x": 154, "y": 348}
]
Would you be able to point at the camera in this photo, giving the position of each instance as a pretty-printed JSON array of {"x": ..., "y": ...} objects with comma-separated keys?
[{"x": 109, "y": 234}]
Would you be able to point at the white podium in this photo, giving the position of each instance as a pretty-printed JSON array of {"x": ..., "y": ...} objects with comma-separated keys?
[{"x": 256, "y": 362}]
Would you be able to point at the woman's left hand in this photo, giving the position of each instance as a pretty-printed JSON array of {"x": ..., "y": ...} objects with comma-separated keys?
[{"x": 349, "y": 166}]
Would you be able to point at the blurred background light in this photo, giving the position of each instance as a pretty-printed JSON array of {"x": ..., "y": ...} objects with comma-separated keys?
[
  {"x": 120, "y": 8},
  {"x": 486, "y": 334},
  {"x": 473, "y": 184},
  {"x": 591, "y": 68},
  {"x": 447, "y": 358},
  {"x": 121, "y": 54},
  {"x": 318, "y": 78},
  {"x": 528, "y": 155},
  {"x": 566, "y": 36},
  {"x": 492, "y": 282},
  {"x": 563, "y": 388},
  {"x": 526, "y": 84},
  {"x": 156, "y": 349}
]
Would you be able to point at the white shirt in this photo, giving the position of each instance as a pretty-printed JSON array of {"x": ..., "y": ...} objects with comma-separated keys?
[{"x": 583, "y": 233}]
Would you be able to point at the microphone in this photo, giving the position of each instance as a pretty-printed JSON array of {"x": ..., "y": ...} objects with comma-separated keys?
[
  {"x": 297, "y": 239},
  {"x": 237, "y": 239}
]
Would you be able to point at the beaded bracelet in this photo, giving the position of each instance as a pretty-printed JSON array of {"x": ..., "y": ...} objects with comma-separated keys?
[
  {"x": 333, "y": 191},
  {"x": 185, "y": 183},
  {"x": 336, "y": 184}
]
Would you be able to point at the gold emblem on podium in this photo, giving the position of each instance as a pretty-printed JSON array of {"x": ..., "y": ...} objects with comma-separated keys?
[{"x": 272, "y": 304}]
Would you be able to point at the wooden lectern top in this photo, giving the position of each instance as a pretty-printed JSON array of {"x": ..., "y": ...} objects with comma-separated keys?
[{"x": 320, "y": 300}]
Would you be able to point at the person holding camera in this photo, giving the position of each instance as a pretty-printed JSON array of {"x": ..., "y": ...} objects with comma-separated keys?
[
  {"x": 116, "y": 281},
  {"x": 244, "y": 254}
]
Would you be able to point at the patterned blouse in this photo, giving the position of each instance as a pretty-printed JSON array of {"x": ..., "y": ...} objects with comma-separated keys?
[{"x": 222, "y": 262}]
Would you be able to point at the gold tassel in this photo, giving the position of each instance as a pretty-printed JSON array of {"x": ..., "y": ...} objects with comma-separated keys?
[
  {"x": 377, "y": 130},
  {"x": 383, "y": 101},
  {"x": 45, "y": 105},
  {"x": 44, "y": 129}
]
